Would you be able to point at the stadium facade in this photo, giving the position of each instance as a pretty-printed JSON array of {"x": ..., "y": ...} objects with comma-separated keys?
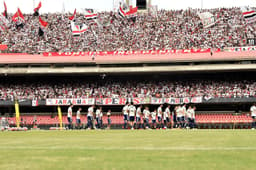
[
  {"x": 107, "y": 59},
  {"x": 185, "y": 66}
]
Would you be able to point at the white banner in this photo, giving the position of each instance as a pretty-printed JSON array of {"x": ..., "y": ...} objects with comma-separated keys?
[
  {"x": 66, "y": 102},
  {"x": 122, "y": 101},
  {"x": 239, "y": 49},
  {"x": 173, "y": 100}
]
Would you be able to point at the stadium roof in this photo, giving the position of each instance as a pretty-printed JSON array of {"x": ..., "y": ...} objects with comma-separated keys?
[{"x": 50, "y": 6}]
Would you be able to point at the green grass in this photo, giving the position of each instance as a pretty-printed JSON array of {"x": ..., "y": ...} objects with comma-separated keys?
[{"x": 119, "y": 149}]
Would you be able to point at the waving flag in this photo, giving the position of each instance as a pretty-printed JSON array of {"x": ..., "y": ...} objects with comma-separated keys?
[
  {"x": 38, "y": 7},
  {"x": 42, "y": 27},
  {"x": 36, "y": 10},
  {"x": 5, "y": 10},
  {"x": 18, "y": 15},
  {"x": 90, "y": 14},
  {"x": 73, "y": 16},
  {"x": 15, "y": 17},
  {"x": 19, "y": 19},
  {"x": 207, "y": 19},
  {"x": 121, "y": 12},
  {"x": 75, "y": 29},
  {"x": 78, "y": 29},
  {"x": 123, "y": 9},
  {"x": 42, "y": 22},
  {"x": 132, "y": 11},
  {"x": 83, "y": 28},
  {"x": 125, "y": 12},
  {"x": 249, "y": 14}
]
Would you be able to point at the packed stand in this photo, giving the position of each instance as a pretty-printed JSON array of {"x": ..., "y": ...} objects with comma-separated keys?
[
  {"x": 174, "y": 29},
  {"x": 115, "y": 89}
]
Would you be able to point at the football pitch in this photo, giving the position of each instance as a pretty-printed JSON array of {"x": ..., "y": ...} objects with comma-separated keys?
[{"x": 126, "y": 149}]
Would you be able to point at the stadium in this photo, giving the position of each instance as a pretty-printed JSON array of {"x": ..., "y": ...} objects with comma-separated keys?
[{"x": 127, "y": 84}]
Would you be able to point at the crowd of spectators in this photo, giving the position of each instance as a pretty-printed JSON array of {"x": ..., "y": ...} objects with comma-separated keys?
[
  {"x": 114, "y": 89},
  {"x": 172, "y": 29}
]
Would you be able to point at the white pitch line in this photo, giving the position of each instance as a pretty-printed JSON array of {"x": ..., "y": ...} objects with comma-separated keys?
[{"x": 132, "y": 148}]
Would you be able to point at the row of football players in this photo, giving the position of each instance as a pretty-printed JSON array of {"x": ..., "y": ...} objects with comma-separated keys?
[
  {"x": 92, "y": 123},
  {"x": 180, "y": 117}
]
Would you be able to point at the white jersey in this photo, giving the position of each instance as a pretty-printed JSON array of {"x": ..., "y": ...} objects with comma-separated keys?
[
  {"x": 159, "y": 112},
  {"x": 184, "y": 110},
  {"x": 125, "y": 109},
  {"x": 146, "y": 113},
  {"x": 190, "y": 113},
  {"x": 138, "y": 112},
  {"x": 193, "y": 114},
  {"x": 70, "y": 112},
  {"x": 166, "y": 113},
  {"x": 108, "y": 114},
  {"x": 153, "y": 115},
  {"x": 179, "y": 112},
  {"x": 78, "y": 114},
  {"x": 90, "y": 111},
  {"x": 253, "y": 110},
  {"x": 132, "y": 110},
  {"x": 97, "y": 113}
]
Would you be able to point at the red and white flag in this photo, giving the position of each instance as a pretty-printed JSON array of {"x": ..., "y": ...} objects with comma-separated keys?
[
  {"x": 5, "y": 10},
  {"x": 249, "y": 14},
  {"x": 125, "y": 12},
  {"x": 121, "y": 12},
  {"x": 42, "y": 22},
  {"x": 18, "y": 15},
  {"x": 38, "y": 7},
  {"x": 73, "y": 16},
  {"x": 83, "y": 28},
  {"x": 132, "y": 11},
  {"x": 90, "y": 14},
  {"x": 77, "y": 30}
]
